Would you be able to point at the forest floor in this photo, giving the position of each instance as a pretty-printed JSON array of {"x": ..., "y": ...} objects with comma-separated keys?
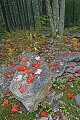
[{"x": 11, "y": 46}]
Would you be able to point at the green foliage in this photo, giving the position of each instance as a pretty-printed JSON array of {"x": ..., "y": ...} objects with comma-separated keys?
[{"x": 41, "y": 22}]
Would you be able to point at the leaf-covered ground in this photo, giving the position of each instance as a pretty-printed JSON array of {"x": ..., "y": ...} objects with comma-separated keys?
[{"x": 11, "y": 46}]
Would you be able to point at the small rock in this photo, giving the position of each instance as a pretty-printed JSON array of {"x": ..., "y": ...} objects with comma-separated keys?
[
  {"x": 78, "y": 99},
  {"x": 44, "y": 118}
]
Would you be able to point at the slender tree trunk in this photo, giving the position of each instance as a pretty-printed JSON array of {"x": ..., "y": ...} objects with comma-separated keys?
[
  {"x": 9, "y": 15},
  {"x": 4, "y": 15},
  {"x": 62, "y": 14},
  {"x": 32, "y": 14},
  {"x": 39, "y": 4},
  {"x": 44, "y": 8},
  {"x": 12, "y": 9},
  {"x": 26, "y": 12},
  {"x": 50, "y": 17},
  {"x": 19, "y": 15},
  {"x": 56, "y": 15}
]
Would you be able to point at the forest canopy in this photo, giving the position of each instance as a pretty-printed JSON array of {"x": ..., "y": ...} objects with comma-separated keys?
[{"x": 34, "y": 14}]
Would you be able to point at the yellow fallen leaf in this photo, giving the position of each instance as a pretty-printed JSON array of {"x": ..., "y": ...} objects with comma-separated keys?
[
  {"x": 11, "y": 51},
  {"x": 35, "y": 48}
]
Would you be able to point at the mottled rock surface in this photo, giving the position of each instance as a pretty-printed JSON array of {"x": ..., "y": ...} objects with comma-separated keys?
[
  {"x": 31, "y": 80},
  {"x": 31, "y": 84}
]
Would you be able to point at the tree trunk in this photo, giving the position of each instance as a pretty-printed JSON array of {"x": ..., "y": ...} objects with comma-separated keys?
[
  {"x": 32, "y": 14},
  {"x": 19, "y": 15},
  {"x": 62, "y": 14},
  {"x": 4, "y": 15},
  {"x": 9, "y": 15},
  {"x": 56, "y": 15},
  {"x": 26, "y": 12},
  {"x": 13, "y": 14},
  {"x": 44, "y": 8},
  {"x": 50, "y": 17}
]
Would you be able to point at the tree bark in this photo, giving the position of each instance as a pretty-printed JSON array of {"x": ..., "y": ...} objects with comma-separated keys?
[
  {"x": 44, "y": 8},
  {"x": 19, "y": 15},
  {"x": 62, "y": 15},
  {"x": 32, "y": 14},
  {"x": 26, "y": 12},
  {"x": 4, "y": 15},
  {"x": 50, "y": 17}
]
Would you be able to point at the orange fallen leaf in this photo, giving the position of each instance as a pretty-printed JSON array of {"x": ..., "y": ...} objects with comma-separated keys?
[
  {"x": 7, "y": 94},
  {"x": 60, "y": 67},
  {"x": 63, "y": 60},
  {"x": 54, "y": 64},
  {"x": 5, "y": 103},
  {"x": 70, "y": 79},
  {"x": 79, "y": 82},
  {"x": 78, "y": 71}
]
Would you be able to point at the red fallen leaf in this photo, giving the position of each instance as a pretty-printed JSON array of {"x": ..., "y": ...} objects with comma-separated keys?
[
  {"x": 13, "y": 64},
  {"x": 20, "y": 68},
  {"x": 67, "y": 88},
  {"x": 37, "y": 64},
  {"x": 72, "y": 66},
  {"x": 30, "y": 79},
  {"x": 10, "y": 72},
  {"x": 6, "y": 76},
  {"x": 69, "y": 95},
  {"x": 53, "y": 69},
  {"x": 22, "y": 88},
  {"x": 60, "y": 67},
  {"x": 33, "y": 71},
  {"x": 43, "y": 113},
  {"x": 79, "y": 82},
  {"x": 25, "y": 59},
  {"x": 7, "y": 94},
  {"x": 14, "y": 108},
  {"x": 78, "y": 71},
  {"x": 67, "y": 53},
  {"x": 26, "y": 71},
  {"x": 54, "y": 64},
  {"x": 70, "y": 79},
  {"x": 5, "y": 103},
  {"x": 63, "y": 60}
]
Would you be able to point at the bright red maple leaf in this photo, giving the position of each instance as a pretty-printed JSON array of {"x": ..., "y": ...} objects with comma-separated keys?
[
  {"x": 14, "y": 108},
  {"x": 69, "y": 95},
  {"x": 37, "y": 64},
  {"x": 43, "y": 113},
  {"x": 26, "y": 71},
  {"x": 30, "y": 79},
  {"x": 6, "y": 76},
  {"x": 11, "y": 72},
  {"x": 22, "y": 88},
  {"x": 54, "y": 64},
  {"x": 63, "y": 60},
  {"x": 67, "y": 53},
  {"x": 20, "y": 67},
  {"x": 53, "y": 69},
  {"x": 25, "y": 59}
]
